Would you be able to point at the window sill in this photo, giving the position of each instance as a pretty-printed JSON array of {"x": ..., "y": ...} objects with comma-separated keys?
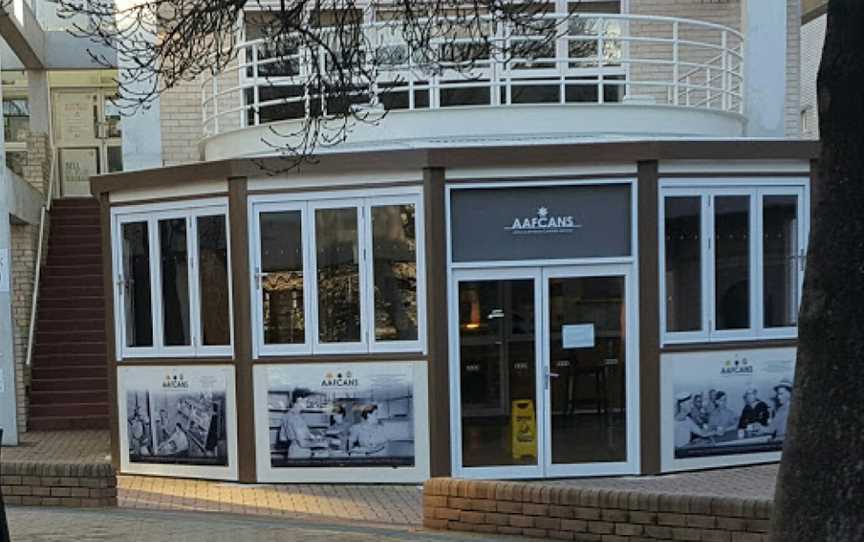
[{"x": 765, "y": 342}]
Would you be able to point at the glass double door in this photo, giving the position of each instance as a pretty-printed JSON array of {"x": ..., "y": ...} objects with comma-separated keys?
[{"x": 544, "y": 367}]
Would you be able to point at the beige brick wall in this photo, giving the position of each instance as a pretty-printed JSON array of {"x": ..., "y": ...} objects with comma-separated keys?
[
  {"x": 591, "y": 515},
  {"x": 24, "y": 238},
  {"x": 793, "y": 69},
  {"x": 724, "y": 12},
  {"x": 181, "y": 117}
]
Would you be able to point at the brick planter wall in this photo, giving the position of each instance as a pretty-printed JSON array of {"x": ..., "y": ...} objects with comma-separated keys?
[
  {"x": 591, "y": 515},
  {"x": 41, "y": 484}
]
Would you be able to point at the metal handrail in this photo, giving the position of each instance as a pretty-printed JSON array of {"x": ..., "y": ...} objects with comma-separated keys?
[
  {"x": 246, "y": 95},
  {"x": 43, "y": 220}
]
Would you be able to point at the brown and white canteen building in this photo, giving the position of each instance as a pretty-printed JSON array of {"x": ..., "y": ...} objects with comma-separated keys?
[{"x": 589, "y": 266}]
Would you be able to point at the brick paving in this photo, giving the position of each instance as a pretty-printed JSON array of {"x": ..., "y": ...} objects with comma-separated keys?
[
  {"x": 66, "y": 447},
  {"x": 370, "y": 505},
  {"x": 390, "y": 504},
  {"x": 752, "y": 482},
  {"x": 60, "y": 525}
]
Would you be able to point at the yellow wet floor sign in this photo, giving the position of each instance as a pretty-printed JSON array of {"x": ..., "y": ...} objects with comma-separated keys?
[{"x": 524, "y": 429}]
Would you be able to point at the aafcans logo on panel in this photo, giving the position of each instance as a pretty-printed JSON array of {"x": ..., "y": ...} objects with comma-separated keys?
[
  {"x": 175, "y": 382},
  {"x": 340, "y": 380},
  {"x": 736, "y": 367},
  {"x": 544, "y": 223}
]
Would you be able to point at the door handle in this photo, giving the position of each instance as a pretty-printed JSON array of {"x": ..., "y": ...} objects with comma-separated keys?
[{"x": 548, "y": 375}]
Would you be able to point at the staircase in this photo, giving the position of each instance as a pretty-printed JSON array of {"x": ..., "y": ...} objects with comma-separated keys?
[{"x": 69, "y": 376}]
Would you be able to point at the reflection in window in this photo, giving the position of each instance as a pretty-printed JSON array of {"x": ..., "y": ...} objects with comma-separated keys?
[
  {"x": 213, "y": 280},
  {"x": 497, "y": 372},
  {"x": 780, "y": 255},
  {"x": 394, "y": 249},
  {"x": 136, "y": 286},
  {"x": 282, "y": 277},
  {"x": 175, "y": 281},
  {"x": 338, "y": 262},
  {"x": 16, "y": 120},
  {"x": 683, "y": 264},
  {"x": 732, "y": 261}
]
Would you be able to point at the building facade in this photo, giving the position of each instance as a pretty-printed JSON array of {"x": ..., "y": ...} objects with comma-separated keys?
[{"x": 588, "y": 267}]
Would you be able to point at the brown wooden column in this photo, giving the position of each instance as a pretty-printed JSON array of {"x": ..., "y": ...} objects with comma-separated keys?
[
  {"x": 108, "y": 286},
  {"x": 649, "y": 315},
  {"x": 239, "y": 226},
  {"x": 436, "y": 320}
]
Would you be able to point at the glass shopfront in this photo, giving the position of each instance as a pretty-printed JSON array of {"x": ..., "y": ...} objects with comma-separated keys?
[{"x": 544, "y": 358}]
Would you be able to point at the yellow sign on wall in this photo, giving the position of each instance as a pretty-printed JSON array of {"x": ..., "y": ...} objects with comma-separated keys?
[{"x": 524, "y": 429}]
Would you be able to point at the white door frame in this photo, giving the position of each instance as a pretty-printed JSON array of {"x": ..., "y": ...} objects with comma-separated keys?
[
  {"x": 541, "y": 276},
  {"x": 509, "y": 471},
  {"x": 631, "y": 372}
]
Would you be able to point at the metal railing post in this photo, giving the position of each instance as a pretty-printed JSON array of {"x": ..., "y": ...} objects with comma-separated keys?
[
  {"x": 256, "y": 98},
  {"x": 675, "y": 67},
  {"x": 37, "y": 272},
  {"x": 215, "y": 105},
  {"x": 600, "y": 64},
  {"x": 724, "y": 78}
]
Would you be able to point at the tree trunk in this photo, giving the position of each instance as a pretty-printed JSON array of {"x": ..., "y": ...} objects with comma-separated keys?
[{"x": 820, "y": 490}]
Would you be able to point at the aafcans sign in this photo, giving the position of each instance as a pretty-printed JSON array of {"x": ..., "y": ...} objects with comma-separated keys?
[
  {"x": 540, "y": 222},
  {"x": 543, "y": 223}
]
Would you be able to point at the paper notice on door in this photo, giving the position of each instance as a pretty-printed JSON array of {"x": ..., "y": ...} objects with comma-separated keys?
[{"x": 577, "y": 336}]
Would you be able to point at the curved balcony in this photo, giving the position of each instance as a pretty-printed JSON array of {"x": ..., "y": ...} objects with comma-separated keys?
[{"x": 605, "y": 75}]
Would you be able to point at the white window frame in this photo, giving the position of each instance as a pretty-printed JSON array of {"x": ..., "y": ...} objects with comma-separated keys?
[
  {"x": 362, "y": 345},
  {"x": 151, "y": 215},
  {"x": 261, "y": 347},
  {"x": 363, "y": 202},
  {"x": 707, "y": 192}
]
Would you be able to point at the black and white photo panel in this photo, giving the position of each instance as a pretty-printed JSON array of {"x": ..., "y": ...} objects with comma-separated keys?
[
  {"x": 321, "y": 418},
  {"x": 725, "y": 408},
  {"x": 178, "y": 421}
]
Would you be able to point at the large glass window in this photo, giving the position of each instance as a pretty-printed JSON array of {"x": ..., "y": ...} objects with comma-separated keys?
[
  {"x": 338, "y": 268},
  {"x": 683, "y": 263},
  {"x": 175, "y": 281},
  {"x": 394, "y": 252},
  {"x": 781, "y": 252},
  {"x": 281, "y": 277},
  {"x": 732, "y": 262},
  {"x": 346, "y": 279},
  {"x": 137, "y": 309},
  {"x": 184, "y": 255},
  {"x": 213, "y": 281}
]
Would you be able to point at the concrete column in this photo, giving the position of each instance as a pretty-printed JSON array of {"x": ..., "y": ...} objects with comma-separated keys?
[
  {"x": 142, "y": 133},
  {"x": 8, "y": 406},
  {"x": 40, "y": 108},
  {"x": 765, "y": 67}
]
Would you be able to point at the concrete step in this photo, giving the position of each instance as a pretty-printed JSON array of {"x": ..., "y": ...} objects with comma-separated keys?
[
  {"x": 78, "y": 348},
  {"x": 69, "y": 410},
  {"x": 70, "y": 291},
  {"x": 93, "y": 324},
  {"x": 69, "y": 384},
  {"x": 74, "y": 281},
  {"x": 67, "y": 397},
  {"x": 68, "y": 337},
  {"x": 72, "y": 270},
  {"x": 65, "y": 423},
  {"x": 69, "y": 359}
]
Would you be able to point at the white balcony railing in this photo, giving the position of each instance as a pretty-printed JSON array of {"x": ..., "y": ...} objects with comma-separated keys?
[{"x": 598, "y": 58}]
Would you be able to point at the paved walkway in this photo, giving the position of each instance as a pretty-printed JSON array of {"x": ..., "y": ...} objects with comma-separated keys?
[
  {"x": 371, "y": 505},
  {"x": 756, "y": 482},
  {"x": 390, "y": 504},
  {"x": 61, "y": 525}
]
